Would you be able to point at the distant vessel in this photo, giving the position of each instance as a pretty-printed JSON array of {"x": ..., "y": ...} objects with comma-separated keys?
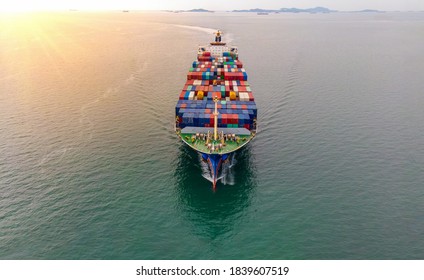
[
  {"x": 262, "y": 13},
  {"x": 216, "y": 112}
]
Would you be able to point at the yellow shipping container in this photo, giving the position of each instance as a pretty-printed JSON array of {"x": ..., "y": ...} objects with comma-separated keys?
[
  {"x": 233, "y": 95},
  {"x": 200, "y": 95}
]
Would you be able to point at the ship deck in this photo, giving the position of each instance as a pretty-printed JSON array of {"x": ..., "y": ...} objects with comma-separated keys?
[{"x": 188, "y": 136}]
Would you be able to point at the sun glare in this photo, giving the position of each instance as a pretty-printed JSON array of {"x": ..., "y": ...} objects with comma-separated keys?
[{"x": 12, "y": 6}]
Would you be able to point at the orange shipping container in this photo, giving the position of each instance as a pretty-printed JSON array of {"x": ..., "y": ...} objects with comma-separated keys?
[{"x": 216, "y": 94}]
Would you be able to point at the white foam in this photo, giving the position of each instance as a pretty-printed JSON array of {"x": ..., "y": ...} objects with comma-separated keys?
[{"x": 226, "y": 37}]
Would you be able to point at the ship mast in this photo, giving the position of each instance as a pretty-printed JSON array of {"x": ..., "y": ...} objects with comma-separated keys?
[{"x": 215, "y": 127}]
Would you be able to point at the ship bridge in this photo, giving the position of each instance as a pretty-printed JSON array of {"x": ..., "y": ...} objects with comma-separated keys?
[{"x": 217, "y": 49}]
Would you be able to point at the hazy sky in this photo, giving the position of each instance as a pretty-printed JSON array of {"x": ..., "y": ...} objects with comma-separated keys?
[{"x": 217, "y": 5}]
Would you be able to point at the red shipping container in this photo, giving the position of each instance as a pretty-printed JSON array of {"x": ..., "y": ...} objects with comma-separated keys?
[
  {"x": 244, "y": 107},
  {"x": 182, "y": 95},
  {"x": 251, "y": 98},
  {"x": 208, "y": 111},
  {"x": 230, "y": 118},
  {"x": 224, "y": 119},
  {"x": 247, "y": 126},
  {"x": 184, "y": 105}
]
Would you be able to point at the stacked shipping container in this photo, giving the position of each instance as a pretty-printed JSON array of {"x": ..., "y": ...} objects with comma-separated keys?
[{"x": 224, "y": 78}]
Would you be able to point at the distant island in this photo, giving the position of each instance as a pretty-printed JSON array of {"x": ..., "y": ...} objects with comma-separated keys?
[
  {"x": 199, "y": 11},
  {"x": 288, "y": 10},
  {"x": 368, "y": 11},
  {"x": 257, "y": 10},
  {"x": 191, "y": 11},
  {"x": 310, "y": 10},
  {"x": 316, "y": 10}
]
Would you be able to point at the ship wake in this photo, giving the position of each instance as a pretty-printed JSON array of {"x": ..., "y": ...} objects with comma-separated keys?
[{"x": 228, "y": 36}]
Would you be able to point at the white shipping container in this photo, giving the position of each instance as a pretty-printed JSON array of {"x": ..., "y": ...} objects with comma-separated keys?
[
  {"x": 191, "y": 95},
  {"x": 241, "y": 95},
  {"x": 244, "y": 96}
]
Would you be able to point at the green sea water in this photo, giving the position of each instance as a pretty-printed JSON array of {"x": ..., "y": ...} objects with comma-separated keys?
[{"x": 90, "y": 167}]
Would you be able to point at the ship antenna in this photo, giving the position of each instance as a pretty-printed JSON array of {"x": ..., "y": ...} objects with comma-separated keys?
[{"x": 215, "y": 127}]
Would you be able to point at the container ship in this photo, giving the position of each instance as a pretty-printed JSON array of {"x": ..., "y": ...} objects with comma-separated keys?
[{"x": 216, "y": 113}]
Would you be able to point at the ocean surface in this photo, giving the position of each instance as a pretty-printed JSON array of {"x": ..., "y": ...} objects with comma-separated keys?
[{"x": 90, "y": 167}]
